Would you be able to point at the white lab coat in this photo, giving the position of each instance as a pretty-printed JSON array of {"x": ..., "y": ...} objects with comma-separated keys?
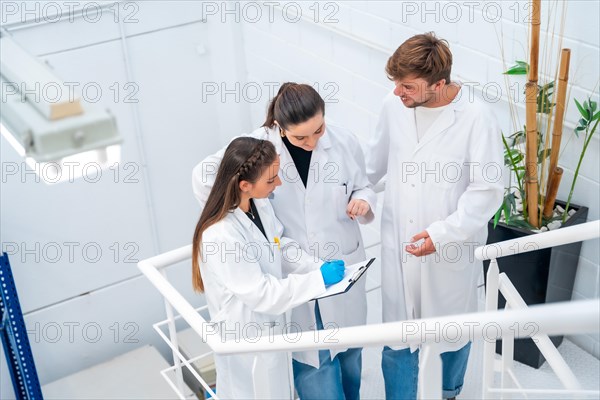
[
  {"x": 316, "y": 218},
  {"x": 449, "y": 184},
  {"x": 247, "y": 297}
]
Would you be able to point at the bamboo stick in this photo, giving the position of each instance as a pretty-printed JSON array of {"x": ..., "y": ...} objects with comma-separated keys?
[
  {"x": 561, "y": 94},
  {"x": 534, "y": 49},
  {"x": 553, "y": 184},
  {"x": 531, "y": 90},
  {"x": 531, "y": 178}
]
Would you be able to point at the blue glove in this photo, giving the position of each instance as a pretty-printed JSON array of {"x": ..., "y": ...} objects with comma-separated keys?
[{"x": 332, "y": 271}]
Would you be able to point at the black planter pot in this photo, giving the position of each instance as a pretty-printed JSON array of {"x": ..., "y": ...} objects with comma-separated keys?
[{"x": 542, "y": 276}]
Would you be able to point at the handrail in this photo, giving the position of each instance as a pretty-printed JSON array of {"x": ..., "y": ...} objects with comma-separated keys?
[
  {"x": 538, "y": 241},
  {"x": 500, "y": 283},
  {"x": 581, "y": 316},
  {"x": 576, "y": 316}
]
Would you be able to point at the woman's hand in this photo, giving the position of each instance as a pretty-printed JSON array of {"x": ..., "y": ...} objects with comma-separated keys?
[{"x": 357, "y": 208}]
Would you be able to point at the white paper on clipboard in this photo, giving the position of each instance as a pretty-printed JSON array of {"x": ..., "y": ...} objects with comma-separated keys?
[{"x": 352, "y": 274}]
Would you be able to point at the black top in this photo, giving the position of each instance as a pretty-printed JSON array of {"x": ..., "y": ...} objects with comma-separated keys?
[
  {"x": 301, "y": 159},
  {"x": 256, "y": 218}
]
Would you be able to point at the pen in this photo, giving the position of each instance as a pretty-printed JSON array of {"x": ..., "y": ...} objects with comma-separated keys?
[
  {"x": 345, "y": 188},
  {"x": 276, "y": 240}
]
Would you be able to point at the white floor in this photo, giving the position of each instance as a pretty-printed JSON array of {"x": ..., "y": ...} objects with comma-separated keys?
[
  {"x": 132, "y": 375},
  {"x": 585, "y": 367}
]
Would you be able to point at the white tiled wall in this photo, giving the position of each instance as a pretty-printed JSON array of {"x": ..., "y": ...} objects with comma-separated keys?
[{"x": 349, "y": 52}]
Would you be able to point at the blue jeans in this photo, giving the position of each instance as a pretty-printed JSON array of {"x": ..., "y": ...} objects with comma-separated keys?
[
  {"x": 401, "y": 372},
  {"x": 334, "y": 379}
]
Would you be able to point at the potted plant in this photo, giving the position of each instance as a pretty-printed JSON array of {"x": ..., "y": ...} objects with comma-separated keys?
[{"x": 530, "y": 204}]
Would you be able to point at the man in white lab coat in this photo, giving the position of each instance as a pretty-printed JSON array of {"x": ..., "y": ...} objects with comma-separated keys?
[{"x": 442, "y": 152}]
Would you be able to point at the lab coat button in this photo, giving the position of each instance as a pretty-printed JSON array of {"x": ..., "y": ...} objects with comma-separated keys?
[
  {"x": 411, "y": 221},
  {"x": 412, "y": 184}
]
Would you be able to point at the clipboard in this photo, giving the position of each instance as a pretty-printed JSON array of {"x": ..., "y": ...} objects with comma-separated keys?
[{"x": 352, "y": 274}]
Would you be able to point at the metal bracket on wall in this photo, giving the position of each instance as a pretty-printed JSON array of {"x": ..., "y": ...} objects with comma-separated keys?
[{"x": 15, "y": 340}]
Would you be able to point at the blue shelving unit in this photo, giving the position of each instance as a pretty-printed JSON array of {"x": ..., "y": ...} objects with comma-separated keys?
[{"x": 14, "y": 338}]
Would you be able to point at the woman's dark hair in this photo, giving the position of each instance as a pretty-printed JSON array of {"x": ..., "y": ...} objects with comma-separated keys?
[
  {"x": 245, "y": 159},
  {"x": 294, "y": 104}
]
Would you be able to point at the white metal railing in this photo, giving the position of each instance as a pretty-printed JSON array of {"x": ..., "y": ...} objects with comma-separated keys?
[
  {"x": 550, "y": 319},
  {"x": 496, "y": 283}
]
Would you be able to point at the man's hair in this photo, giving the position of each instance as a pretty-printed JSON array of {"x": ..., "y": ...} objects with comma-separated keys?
[{"x": 424, "y": 56}]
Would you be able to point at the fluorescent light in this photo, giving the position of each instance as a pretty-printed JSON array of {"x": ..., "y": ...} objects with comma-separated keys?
[
  {"x": 65, "y": 133},
  {"x": 12, "y": 140},
  {"x": 87, "y": 165}
]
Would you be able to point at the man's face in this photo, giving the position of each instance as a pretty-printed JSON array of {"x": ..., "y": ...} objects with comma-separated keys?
[{"x": 416, "y": 92}]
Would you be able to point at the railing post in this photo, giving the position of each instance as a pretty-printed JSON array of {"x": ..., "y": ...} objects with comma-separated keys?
[
  {"x": 173, "y": 336},
  {"x": 508, "y": 347},
  {"x": 430, "y": 373},
  {"x": 489, "y": 347}
]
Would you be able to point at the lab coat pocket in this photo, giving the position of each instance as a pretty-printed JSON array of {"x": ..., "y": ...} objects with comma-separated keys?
[
  {"x": 350, "y": 241},
  {"x": 341, "y": 197},
  {"x": 353, "y": 254}
]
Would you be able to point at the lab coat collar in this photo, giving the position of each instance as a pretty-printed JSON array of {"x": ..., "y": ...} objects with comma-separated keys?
[
  {"x": 318, "y": 161},
  {"x": 272, "y": 135},
  {"x": 262, "y": 208},
  {"x": 444, "y": 121},
  {"x": 325, "y": 141},
  {"x": 243, "y": 218},
  {"x": 248, "y": 225}
]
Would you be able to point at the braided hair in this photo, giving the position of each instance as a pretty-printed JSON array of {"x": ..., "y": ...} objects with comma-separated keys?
[{"x": 245, "y": 159}]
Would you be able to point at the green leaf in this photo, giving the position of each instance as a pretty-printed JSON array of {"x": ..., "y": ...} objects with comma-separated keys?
[
  {"x": 596, "y": 116},
  {"x": 513, "y": 203},
  {"x": 581, "y": 109},
  {"x": 506, "y": 210},
  {"x": 548, "y": 87},
  {"x": 544, "y": 103},
  {"x": 543, "y": 154},
  {"x": 520, "y": 68},
  {"x": 497, "y": 217},
  {"x": 521, "y": 223},
  {"x": 517, "y": 137}
]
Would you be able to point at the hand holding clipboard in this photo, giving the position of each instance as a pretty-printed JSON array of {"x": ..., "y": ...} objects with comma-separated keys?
[{"x": 352, "y": 274}]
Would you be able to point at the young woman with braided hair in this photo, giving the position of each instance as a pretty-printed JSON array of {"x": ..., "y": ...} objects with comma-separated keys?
[
  {"x": 325, "y": 194},
  {"x": 240, "y": 261}
]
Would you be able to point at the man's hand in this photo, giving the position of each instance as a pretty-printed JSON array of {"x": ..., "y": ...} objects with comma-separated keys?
[
  {"x": 424, "y": 249},
  {"x": 357, "y": 208}
]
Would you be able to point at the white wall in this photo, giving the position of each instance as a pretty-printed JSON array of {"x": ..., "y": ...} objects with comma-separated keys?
[
  {"x": 179, "y": 53},
  {"x": 349, "y": 44},
  {"x": 142, "y": 207}
]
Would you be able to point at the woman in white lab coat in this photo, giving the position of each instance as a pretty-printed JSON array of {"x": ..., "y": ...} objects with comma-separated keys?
[
  {"x": 237, "y": 261},
  {"x": 325, "y": 192}
]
